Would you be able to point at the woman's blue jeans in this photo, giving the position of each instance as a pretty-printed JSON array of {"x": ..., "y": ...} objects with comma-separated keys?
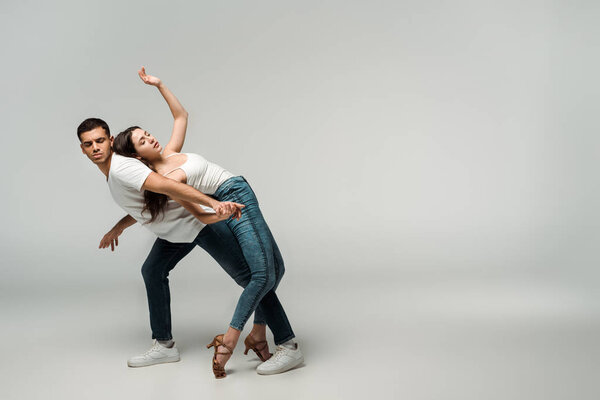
[
  {"x": 260, "y": 251},
  {"x": 218, "y": 240}
]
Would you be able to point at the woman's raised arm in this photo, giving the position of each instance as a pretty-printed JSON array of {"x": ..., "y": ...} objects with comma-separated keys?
[{"x": 180, "y": 115}]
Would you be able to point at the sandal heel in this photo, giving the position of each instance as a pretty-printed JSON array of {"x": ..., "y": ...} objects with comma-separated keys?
[
  {"x": 218, "y": 369},
  {"x": 253, "y": 345}
]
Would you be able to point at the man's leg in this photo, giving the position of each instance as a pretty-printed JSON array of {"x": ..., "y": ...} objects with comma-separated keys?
[{"x": 162, "y": 259}]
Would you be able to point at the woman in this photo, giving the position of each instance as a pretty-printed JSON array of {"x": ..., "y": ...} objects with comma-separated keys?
[{"x": 252, "y": 233}]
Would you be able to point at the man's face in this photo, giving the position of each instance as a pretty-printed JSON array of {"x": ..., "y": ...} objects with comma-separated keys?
[{"x": 96, "y": 145}]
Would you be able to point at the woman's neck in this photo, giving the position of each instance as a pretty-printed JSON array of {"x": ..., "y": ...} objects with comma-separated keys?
[{"x": 157, "y": 163}]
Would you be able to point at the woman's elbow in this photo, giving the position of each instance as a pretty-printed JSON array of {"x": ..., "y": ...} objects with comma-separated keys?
[{"x": 181, "y": 116}]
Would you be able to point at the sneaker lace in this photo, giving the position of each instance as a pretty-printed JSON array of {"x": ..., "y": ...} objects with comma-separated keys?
[
  {"x": 279, "y": 353},
  {"x": 152, "y": 349}
]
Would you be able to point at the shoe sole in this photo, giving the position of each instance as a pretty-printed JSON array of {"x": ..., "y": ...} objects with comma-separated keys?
[
  {"x": 154, "y": 362},
  {"x": 280, "y": 371}
]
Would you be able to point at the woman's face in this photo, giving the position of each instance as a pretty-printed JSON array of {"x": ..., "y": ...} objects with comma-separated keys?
[{"x": 145, "y": 144}]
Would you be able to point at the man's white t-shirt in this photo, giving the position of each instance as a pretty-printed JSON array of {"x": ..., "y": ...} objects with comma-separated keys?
[{"x": 125, "y": 180}]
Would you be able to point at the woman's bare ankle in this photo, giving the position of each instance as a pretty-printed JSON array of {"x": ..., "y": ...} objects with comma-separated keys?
[
  {"x": 259, "y": 332},
  {"x": 231, "y": 338}
]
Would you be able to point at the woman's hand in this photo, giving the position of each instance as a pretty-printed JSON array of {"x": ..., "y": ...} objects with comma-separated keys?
[{"x": 148, "y": 79}]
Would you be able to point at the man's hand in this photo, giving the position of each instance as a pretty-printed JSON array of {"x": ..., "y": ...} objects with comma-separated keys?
[
  {"x": 148, "y": 79},
  {"x": 111, "y": 239},
  {"x": 228, "y": 208}
]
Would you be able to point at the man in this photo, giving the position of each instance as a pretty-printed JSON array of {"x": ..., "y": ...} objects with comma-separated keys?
[{"x": 178, "y": 231}]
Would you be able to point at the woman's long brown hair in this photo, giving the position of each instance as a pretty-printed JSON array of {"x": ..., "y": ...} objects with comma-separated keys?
[{"x": 153, "y": 202}]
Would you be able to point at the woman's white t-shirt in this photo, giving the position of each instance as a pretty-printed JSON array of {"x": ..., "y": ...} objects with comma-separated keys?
[{"x": 201, "y": 174}]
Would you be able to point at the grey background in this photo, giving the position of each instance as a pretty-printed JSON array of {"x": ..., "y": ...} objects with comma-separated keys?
[{"x": 428, "y": 169}]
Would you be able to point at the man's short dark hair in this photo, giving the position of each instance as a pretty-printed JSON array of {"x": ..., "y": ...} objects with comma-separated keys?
[{"x": 92, "y": 123}]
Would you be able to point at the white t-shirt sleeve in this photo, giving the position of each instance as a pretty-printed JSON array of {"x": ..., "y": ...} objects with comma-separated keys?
[{"x": 131, "y": 173}]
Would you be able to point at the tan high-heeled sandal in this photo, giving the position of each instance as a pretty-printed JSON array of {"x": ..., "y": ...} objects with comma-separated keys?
[
  {"x": 218, "y": 369},
  {"x": 254, "y": 345}
]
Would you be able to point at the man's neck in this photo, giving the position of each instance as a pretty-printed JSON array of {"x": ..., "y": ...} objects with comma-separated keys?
[{"x": 105, "y": 167}]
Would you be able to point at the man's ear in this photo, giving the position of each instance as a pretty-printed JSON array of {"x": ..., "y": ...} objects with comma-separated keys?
[
  {"x": 83, "y": 151},
  {"x": 112, "y": 140}
]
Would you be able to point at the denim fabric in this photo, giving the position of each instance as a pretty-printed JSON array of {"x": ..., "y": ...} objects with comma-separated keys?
[
  {"x": 228, "y": 253},
  {"x": 218, "y": 240},
  {"x": 163, "y": 257},
  {"x": 262, "y": 257}
]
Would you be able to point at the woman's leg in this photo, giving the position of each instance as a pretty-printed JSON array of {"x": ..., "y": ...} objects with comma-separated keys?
[
  {"x": 219, "y": 241},
  {"x": 272, "y": 308},
  {"x": 255, "y": 240}
]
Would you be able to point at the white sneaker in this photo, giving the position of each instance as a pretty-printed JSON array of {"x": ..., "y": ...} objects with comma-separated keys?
[
  {"x": 283, "y": 360},
  {"x": 157, "y": 354}
]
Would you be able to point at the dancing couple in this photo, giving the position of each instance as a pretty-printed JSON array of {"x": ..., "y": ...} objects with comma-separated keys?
[{"x": 165, "y": 191}]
